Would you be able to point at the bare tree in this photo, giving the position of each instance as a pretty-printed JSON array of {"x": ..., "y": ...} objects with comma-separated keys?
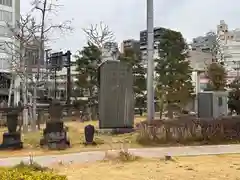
[
  {"x": 44, "y": 8},
  {"x": 99, "y": 34},
  {"x": 27, "y": 31},
  {"x": 15, "y": 49}
]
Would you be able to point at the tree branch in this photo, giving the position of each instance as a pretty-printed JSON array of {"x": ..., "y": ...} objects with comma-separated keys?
[{"x": 99, "y": 34}]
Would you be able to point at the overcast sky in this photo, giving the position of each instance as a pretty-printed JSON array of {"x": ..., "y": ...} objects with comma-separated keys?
[{"x": 127, "y": 17}]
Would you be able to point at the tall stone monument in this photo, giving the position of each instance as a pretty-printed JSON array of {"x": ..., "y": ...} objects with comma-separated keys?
[{"x": 116, "y": 100}]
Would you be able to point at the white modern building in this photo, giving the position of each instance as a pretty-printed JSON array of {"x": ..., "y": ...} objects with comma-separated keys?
[
  {"x": 9, "y": 14},
  {"x": 229, "y": 41},
  {"x": 228, "y": 45}
]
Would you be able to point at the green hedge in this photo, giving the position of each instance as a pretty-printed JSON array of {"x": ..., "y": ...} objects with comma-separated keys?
[{"x": 28, "y": 173}]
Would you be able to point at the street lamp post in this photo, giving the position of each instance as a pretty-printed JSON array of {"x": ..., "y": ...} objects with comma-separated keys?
[{"x": 150, "y": 67}]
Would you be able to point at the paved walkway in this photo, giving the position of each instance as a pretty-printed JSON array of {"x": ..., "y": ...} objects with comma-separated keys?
[{"x": 143, "y": 152}]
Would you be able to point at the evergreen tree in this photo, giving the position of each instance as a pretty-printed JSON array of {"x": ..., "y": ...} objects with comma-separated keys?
[
  {"x": 216, "y": 74},
  {"x": 234, "y": 96},
  {"x": 87, "y": 62},
  {"x": 173, "y": 69},
  {"x": 133, "y": 58}
]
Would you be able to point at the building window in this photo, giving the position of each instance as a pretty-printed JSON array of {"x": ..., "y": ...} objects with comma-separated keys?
[
  {"x": 5, "y": 32},
  {"x": 6, "y": 2},
  {"x": 5, "y": 63},
  {"x": 51, "y": 77},
  {"x": 203, "y": 86},
  {"x": 5, "y": 16},
  {"x": 220, "y": 101}
]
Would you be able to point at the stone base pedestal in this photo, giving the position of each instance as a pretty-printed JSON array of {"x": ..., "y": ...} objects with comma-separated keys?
[
  {"x": 12, "y": 141},
  {"x": 55, "y": 136}
]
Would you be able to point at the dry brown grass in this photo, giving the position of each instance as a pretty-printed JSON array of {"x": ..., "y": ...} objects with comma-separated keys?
[
  {"x": 76, "y": 136},
  {"x": 219, "y": 167}
]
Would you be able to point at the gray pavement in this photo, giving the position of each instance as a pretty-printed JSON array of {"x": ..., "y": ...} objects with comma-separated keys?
[{"x": 93, "y": 156}]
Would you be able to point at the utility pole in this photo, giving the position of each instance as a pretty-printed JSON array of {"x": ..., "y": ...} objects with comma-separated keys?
[{"x": 150, "y": 67}]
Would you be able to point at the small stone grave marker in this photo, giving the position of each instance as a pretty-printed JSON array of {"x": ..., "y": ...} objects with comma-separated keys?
[
  {"x": 55, "y": 134},
  {"x": 12, "y": 138}
]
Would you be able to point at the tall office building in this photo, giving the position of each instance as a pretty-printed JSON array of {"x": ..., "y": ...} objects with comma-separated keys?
[{"x": 9, "y": 14}]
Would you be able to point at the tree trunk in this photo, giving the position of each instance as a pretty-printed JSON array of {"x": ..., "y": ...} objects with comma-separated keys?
[
  {"x": 25, "y": 104},
  {"x": 34, "y": 108},
  {"x": 92, "y": 107},
  {"x": 40, "y": 119},
  {"x": 170, "y": 111},
  {"x": 30, "y": 107},
  {"x": 10, "y": 91},
  {"x": 25, "y": 120},
  {"x": 161, "y": 107}
]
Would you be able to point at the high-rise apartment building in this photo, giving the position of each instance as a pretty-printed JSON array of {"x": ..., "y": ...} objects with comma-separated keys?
[
  {"x": 226, "y": 42},
  {"x": 158, "y": 31},
  {"x": 229, "y": 41}
]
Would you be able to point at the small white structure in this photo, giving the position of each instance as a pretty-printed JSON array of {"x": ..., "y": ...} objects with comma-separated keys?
[{"x": 212, "y": 104}]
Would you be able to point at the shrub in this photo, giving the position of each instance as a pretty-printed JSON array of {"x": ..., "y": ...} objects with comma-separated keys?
[
  {"x": 31, "y": 171},
  {"x": 28, "y": 174},
  {"x": 126, "y": 156},
  {"x": 31, "y": 166},
  {"x": 180, "y": 130},
  {"x": 122, "y": 156},
  {"x": 188, "y": 129}
]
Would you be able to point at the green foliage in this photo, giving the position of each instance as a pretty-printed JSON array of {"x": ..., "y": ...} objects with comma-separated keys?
[
  {"x": 234, "y": 96},
  {"x": 217, "y": 77},
  {"x": 87, "y": 62},
  {"x": 31, "y": 166},
  {"x": 172, "y": 69},
  {"x": 133, "y": 58},
  {"x": 29, "y": 172}
]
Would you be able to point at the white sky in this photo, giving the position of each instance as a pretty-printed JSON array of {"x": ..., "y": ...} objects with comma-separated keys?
[{"x": 127, "y": 17}]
